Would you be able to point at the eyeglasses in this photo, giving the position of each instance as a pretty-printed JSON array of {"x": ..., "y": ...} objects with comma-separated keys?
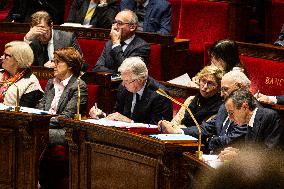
[
  {"x": 5, "y": 55},
  {"x": 210, "y": 84},
  {"x": 119, "y": 23},
  {"x": 124, "y": 82},
  {"x": 56, "y": 62}
]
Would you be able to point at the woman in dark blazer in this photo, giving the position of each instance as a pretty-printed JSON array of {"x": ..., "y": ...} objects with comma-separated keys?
[{"x": 61, "y": 92}]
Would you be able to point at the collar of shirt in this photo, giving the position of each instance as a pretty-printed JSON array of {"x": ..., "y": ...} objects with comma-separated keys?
[
  {"x": 63, "y": 83},
  {"x": 140, "y": 92},
  {"x": 144, "y": 4},
  {"x": 251, "y": 121},
  {"x": 127, "y": 41},
  {"x": 50, "y": 46}
]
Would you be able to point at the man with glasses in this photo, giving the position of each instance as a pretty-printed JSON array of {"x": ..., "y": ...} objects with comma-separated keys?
[
  {"x": 219, "y": 131},
  {"x": 123, "y": 43},
  {"x": 44, "y": 40},
  {"x": 153, "y": 15},
  {"x": 137, "y": 100}
]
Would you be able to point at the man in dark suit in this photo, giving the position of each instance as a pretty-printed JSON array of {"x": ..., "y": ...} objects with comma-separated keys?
[
  {"x": 264, "y": 125},
  {"x": 220, "y": 131},
  {"x": 137, "y": 100},
  {"x": 154, "y": 15},
  {"x": 123, "y": 44},
  {"x": 93, "y": 12},
  {"x": 44, "y": 40}
]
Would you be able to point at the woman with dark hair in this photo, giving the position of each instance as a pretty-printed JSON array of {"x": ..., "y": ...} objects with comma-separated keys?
[
  {"x": 225, "y": 55},
  {"x": 60, "y": 96}
]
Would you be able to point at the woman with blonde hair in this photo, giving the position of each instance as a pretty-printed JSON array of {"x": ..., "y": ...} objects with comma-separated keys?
[{"x": 16, "y": 78}]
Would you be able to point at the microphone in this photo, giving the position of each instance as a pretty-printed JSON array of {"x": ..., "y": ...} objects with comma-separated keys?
[
  {"x": 161, "y": 92},
  {"x": 17, "y": 107},
  {"x": 78, "y": 116}
]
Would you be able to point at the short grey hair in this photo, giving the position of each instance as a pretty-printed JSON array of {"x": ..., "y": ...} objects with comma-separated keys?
[
  {"x": 22, "y": 53},
  {"x": 241, "y": 96},
  {"x": 238, "y": 77},
  {"x": 136, "y": 66},
  {"x": 134, "y": 19}
]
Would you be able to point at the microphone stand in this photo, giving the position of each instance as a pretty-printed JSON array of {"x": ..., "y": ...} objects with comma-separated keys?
[
  {"x": 198, "y": 153},
  {"x": 78, "y": 116},
  {"x": 17, "y": 107}
]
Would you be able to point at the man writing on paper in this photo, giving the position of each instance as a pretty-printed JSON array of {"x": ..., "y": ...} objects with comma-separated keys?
[
  {"x": 264, "y": 125},
  {"x": 137, "y": 100}
]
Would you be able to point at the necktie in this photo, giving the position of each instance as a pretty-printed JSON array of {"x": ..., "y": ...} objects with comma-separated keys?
[
  {"x": 135, "y": 106},
  {"x": 122, "y": 43}
]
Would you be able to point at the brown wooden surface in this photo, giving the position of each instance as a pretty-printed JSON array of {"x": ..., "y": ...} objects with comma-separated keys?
[
  {"x": 107, "y": 157},
  {"x": 266, "y": 51},
  {"x": 23, "y": 139}
]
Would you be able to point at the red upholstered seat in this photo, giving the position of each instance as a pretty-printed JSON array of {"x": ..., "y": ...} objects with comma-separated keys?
[
  {"x": 68, "y": 4},
  {"x": 43, "y": 83},
  {"x": 201, "y": 22},
  {"x": 5, "y": 11},
  {"x": 8, "y": 37},
  {"x": 92, "y": 50},
  {"x": 274, "y": 20},
  {"x": 93, "y": 95},
  {"x": 265, "y": 75},
  {"x": 176, "y": 4},
  {"x": 155, "y": 64}
]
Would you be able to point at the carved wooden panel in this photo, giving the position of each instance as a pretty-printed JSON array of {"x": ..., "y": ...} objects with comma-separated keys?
[
  {"x": 112, "y": 167},
  {"x": 7, "y": 157}
]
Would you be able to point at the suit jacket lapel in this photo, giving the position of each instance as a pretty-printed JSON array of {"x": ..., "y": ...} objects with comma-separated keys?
[
  {"x": 65, "y": 92},
  {"x": 130, "y": 46},
  {"x": 128, "y": 103}
]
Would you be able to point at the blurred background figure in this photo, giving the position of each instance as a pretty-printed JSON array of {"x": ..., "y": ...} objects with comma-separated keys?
[
  {"x": 23, "y": 9},
  {"x": 16, "y": 75},
  {"x": 253, "y": 167},
  {"x": 98, "y": 13},
  {"x": 153, "y": 15}
]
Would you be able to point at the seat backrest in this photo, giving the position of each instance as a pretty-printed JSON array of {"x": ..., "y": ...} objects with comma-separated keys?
[
  {"x": 67, "y": 9},
  {"x": 176, "y": 4},
  {"x": 274, "y": 20},
  {"x": 6, "y": 9},
  {"x": 265, "y": 75},
  {"x": 203, "y": 21},
  {"x": 6, "y": 37},
  {"x": 155, "y": 64},
  {"x": 92, "y": 49}
]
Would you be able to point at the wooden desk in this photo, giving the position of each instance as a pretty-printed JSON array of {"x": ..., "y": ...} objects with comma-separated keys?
[
  {"x": 23, "y": 139},
  {"x": 105, "y": 157}
]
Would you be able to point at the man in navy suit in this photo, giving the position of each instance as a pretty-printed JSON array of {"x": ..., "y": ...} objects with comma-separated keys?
[
  {"x": 220, "y": 131},
  {"x": 137, "y": 100},
  {"x": 123, "y": 44},
  {"x": 264, "y": 125},
  {"x": 154, "y": 15}
]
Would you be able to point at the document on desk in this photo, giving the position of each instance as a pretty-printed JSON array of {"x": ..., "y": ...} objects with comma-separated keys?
[
  {"x": 174, "y": 137},
  {"x": 23, "y": 109},
  {"x": 107, "y": 122},
  {"x": 181, "y": 80},
  {"x": 212, "y": 160}
]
